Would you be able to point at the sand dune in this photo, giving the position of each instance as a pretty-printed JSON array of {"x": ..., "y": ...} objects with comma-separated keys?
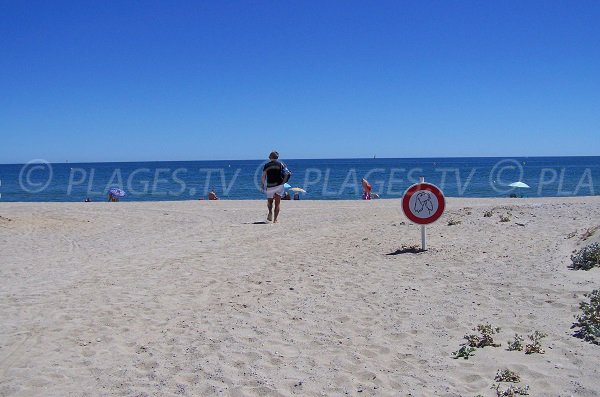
[{"x": 201, "y": 298}]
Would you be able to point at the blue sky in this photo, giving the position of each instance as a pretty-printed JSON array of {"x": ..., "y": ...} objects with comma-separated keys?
[{"x": 195, "y": 80}]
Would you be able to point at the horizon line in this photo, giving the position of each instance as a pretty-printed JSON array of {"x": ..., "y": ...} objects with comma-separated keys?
[{"x": 39, "y": 160}]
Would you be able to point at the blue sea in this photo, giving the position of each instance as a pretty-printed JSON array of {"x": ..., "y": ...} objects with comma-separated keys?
[{"x": 323, "y": 179}]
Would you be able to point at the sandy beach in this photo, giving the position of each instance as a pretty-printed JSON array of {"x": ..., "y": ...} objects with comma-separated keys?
[{"x": 199, "y": 298}]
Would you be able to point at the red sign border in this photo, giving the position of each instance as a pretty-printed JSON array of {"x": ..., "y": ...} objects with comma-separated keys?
[{"x": 416, "y": 188}]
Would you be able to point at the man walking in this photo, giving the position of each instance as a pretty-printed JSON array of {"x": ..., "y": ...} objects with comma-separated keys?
[{"x": 272, "y": 176}]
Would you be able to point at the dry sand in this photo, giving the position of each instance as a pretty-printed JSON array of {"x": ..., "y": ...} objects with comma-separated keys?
[{"x": 197, "y": 298}]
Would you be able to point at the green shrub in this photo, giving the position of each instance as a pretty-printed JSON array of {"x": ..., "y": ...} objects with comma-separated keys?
[
  {"x": 536, "y": 345},
  {"x": 485, "y": 338},
  {"x": 589, "y": 321},
  {"x": 507, "y": 375},
  {"x": 464, "y": 352},
  {"x": 587, "y": 257},
  {"x": 516, "y": 343}
]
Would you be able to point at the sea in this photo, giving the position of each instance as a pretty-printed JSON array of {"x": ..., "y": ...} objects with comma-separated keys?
[{"x": 321, "y": 179}]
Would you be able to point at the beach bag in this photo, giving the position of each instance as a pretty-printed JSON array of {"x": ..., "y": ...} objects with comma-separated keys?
[{"x": 286, "y": 174}]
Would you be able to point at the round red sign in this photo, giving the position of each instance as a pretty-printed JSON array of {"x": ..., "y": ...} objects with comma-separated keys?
[{"x": 423, "y": 203}]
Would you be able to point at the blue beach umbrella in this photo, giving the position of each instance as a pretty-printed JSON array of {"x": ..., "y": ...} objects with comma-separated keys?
[
  {"x": 519, "y": 184},
  {"x": 287, "y": 185},
  {"x": 115, "y": 191}
]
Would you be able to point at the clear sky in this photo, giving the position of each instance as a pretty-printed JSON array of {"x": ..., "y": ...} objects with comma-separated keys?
[{"x": 202, "y": 80}]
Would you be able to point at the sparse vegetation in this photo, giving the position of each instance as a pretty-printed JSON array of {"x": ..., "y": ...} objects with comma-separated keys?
[
  {"x": 507, "y": 375},
  {"x": 505, "y": 218},
  {"x": 511, "y": 391},
  {"x": 503, "y": 376},
  {"x": 485, "y": 338},
  {"x": 464, "y": 352},
  {"x": 535, "y": 346},
  {"x": 589, "y": 321},
  {"x": 452, "y": 222},
  {"x": 587, "y": 257},
  {"x": 488, "y": 214},
  {"x": 516, "y": 343},
  {"x": 407, "y": 249}
]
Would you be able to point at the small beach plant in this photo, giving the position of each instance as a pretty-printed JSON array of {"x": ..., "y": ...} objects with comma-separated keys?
[
  {"x": 516, "y": 343},
  {"x": 452, "y": 222},
  {"x": 589, "y": 321},
  {"x": 485, "y": 337},
  {"x": 506, "y": 375},
  {"x": 511, "y": 391},
  {"x": 464, "y": 352},
  {"x": 505, "y": 218},
  {"x": 488, "y": 214},
  {"x": 536, "y": 345},
  {"x": 587, "y": 257}
]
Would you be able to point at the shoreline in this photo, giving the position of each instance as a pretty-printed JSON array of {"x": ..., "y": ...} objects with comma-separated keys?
[{"x": 484, "y": 200}]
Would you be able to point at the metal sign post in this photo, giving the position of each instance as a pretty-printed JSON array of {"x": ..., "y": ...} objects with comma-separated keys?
[
  {"x": 423, "y": 232},
  {"x": 423, "y": 203}
]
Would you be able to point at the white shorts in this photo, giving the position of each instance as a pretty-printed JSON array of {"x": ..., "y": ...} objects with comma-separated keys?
[{"x": 278, "y": 190}]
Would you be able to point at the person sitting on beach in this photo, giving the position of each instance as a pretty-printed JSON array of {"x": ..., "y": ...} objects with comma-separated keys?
[
  {"x": 212, "y": 195},
  {"x": 296, "y": 196},
  {"x": 366, "y": 189},
  {"x": 112, "y": 198},
  {"x": 286, "y": 196}
]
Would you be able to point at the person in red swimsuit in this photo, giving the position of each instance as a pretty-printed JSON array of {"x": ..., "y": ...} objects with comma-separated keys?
[{"x": 366, "y": 189}]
